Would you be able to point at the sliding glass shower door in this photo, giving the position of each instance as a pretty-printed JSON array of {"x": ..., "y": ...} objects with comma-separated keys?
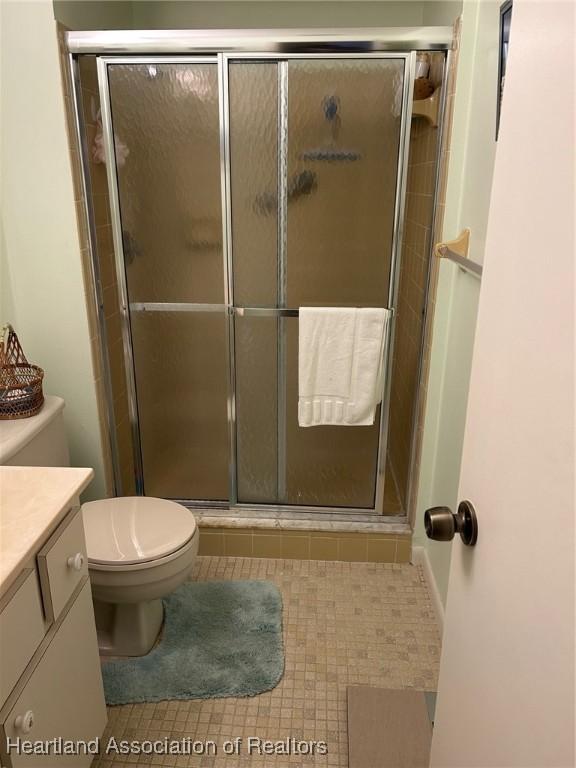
[
  {"x": 165, "y": 118},
  {"x": 314, "y": 146},
  {"x": 247, "y": 189}
]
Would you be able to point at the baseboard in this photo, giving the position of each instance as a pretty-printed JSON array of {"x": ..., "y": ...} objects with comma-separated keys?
[{"x": 420, "y": 557}]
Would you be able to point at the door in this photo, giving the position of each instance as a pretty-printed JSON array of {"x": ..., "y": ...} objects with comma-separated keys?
[
  {"x": 165, "y": 118},
  {"x": 315, "y": 148},
  {"x": 242, "y": 189},
  {"x": 506, "y": 688}
]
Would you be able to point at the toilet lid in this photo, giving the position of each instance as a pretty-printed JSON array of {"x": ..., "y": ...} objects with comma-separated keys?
[{"x": 135, "y": 529}]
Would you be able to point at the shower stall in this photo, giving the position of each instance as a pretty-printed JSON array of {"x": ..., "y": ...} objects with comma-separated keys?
[{"x": 239, "y": 182}]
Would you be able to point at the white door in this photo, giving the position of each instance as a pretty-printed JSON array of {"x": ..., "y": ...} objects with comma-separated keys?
[{"x": 506, "y": 689}]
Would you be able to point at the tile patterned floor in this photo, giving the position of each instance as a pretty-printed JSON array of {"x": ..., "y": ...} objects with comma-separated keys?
[{"x": 344, "y": 624}]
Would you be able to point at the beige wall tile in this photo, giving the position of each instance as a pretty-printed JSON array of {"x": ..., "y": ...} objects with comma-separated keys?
[
  {"x": 88, "y": 74},
  {"x": 211, "y": 543},
  {"x": 266, "y": 546},
  {"x": 116, "y": 358},
  {"x": 238, "y": 544},
  {"x": 352, "y": 549},
  {"x": 411, "y": 335},
  {"x": 106, "y": 256},
  {"x": 121, "y": 409},
  {"x": 105, "y": 439},
  {"x": 381, "y": 550},
  {"x": 110, "y": 298},
  {"x": 296, "y": 547},
  {"x": 128, "y": 480},
  {"x": 114, "y": 327},
  {"x": 308, "y": 545},
  {"x": 322, "y": 548},
  {"x": 124, "y": 437},
  {"x": 101, "y": 210},
  {"x": 404, "y": 550},
  {"x": 99, "y": 180}
]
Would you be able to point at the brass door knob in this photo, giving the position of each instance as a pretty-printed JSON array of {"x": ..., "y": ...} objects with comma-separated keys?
[{"x": 442, "y": 524}]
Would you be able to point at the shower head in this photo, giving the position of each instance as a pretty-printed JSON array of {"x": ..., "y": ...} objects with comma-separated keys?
[
  {"x": 326, "y": 154},
  {"x": 329, "y": 154}
]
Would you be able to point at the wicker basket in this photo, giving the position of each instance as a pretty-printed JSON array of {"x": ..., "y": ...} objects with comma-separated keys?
[{"x": 20, "y": 383}]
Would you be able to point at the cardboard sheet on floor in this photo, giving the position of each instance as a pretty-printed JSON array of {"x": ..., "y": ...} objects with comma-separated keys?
[{"x": 387, "y": 729}]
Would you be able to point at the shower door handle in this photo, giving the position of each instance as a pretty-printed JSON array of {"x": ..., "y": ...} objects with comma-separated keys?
[{"x": 442, "y": 524}]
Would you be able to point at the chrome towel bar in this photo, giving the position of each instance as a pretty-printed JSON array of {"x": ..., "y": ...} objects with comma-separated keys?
[{"x": 192, "y": 307}]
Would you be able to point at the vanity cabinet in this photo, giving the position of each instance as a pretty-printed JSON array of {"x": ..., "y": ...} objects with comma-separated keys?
[{"x": 50, "y": 679}]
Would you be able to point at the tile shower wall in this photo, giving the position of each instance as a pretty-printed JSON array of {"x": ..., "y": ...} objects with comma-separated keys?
[
  {"x": 434, "y": 269},
  {"x": 412, "y": 293},
  {"x": 87, "y": 269},
  {"x": 105, "y": 255},
  {"x": 106, "y": 275}
]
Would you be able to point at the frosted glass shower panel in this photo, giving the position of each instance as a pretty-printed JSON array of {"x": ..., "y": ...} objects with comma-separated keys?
[
  {"x": 253, "y": 90},
  {"x": 180, "y": 363},
  {"x": 344, "y": 120},
  {"x": 256, "y": 340},
  {"x": 326, "y": 466},
  {"x": 166, "y": 125}
]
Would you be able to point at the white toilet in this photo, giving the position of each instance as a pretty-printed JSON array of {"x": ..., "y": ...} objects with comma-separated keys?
[{"x": 139, "y": 548}]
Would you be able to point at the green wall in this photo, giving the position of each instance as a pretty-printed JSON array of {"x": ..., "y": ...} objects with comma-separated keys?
[
  {"x": 42, "y": 284},
  {"x": 472, "y": 154},
  {"x": 229, "y": 14}
]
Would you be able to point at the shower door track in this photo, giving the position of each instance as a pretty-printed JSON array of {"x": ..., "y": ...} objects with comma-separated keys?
[{"x": 332, "y": 47}]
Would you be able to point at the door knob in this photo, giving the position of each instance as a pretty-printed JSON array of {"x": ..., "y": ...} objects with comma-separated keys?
[{"x": 442, "y": 524}]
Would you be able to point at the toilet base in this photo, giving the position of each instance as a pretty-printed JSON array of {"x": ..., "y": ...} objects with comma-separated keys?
[{"x": 128, "y": 629}]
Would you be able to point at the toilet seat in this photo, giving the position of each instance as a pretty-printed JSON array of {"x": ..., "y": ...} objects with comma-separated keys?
[{"x": 132, "y": 532}]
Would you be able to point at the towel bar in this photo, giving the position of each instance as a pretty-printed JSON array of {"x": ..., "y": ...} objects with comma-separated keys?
[
  {"x": 271, "y": 311},
  {"x": 192, "y": 307}
]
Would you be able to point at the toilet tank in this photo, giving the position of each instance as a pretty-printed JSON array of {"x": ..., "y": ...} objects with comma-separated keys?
[{"x": 39, "y": 441}]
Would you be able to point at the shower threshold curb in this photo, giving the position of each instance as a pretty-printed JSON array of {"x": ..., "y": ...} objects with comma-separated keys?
[{"x": 212, "y": 518}]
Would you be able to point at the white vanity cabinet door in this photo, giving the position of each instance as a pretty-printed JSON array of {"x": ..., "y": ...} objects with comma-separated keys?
[
  {"x": 64, "y": 695},
  {"x": 21, "y": 629},
  {"x": 62, "y": 564}
]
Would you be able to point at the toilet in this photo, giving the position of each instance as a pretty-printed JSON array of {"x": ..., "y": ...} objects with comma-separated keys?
[{"x": 139, "y": 548}]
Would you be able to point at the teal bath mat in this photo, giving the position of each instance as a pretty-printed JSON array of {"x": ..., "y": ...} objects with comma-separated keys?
[{"x": 220, "y": 638}]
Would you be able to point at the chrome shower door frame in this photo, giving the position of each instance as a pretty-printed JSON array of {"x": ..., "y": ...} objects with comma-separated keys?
[{"x": 222, "y": 60}]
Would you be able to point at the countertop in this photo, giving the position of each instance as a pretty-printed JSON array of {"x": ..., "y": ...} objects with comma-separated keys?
[{"x": 33, "y": 500}]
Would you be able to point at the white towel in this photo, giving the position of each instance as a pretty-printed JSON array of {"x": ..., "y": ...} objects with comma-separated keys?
[{"x": 340, "y": 365}]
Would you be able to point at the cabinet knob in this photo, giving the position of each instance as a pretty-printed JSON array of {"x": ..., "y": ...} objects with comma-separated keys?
[
  {"x": 76, "y": 562},
  {"x": 25, "y": 722}
]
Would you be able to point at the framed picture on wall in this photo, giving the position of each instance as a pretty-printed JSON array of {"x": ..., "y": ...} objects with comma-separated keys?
[{"x": 505, "y": 19}]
